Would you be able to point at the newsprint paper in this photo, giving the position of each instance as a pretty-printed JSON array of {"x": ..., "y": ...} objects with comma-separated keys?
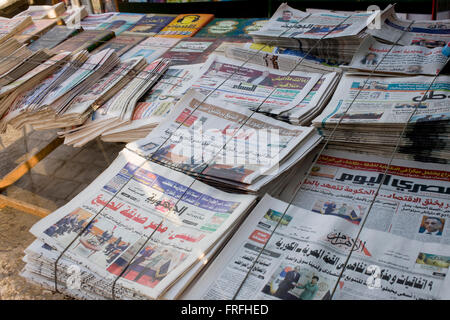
[
  {"x": 135, "y": 198},
  {"x": 305, "y": 259},
  {"x": 196, "y": 138},
  {"x": 412, "y": 194}
]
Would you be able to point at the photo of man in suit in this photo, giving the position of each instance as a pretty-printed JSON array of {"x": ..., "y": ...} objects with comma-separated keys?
[{"x": 289, "y": 282}]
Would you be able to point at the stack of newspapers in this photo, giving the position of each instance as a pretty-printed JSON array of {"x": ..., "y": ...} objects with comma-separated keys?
[
  {"x": 333, "y": 256},
  {"x": 139, "y": 231},
  {"x": 375, "y": 57},
  {"x": 49, "y": 104},
  {"x": 43, "y": 12},
  {"x": 13, "y": 26},
  {"x": 377, "y": 113},
  {"x": 326, "y": 35},
  {"x": 426, "y": 33},
  {"x": 12, "y": 53},
  {"x": 119, "y": 109},
  {"x": 225, "y": 145}
]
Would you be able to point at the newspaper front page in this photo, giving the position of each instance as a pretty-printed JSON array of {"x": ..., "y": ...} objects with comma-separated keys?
[
  {"x": 413, "y": 200},
  {"x": 130, "y": 201}
]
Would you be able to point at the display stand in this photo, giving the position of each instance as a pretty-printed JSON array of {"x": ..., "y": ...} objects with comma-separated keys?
[{"x": 18, "y": 172}]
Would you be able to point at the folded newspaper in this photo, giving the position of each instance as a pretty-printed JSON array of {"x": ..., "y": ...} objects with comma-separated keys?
[
  {"x": 377, "y": 57},
  {"x": 51, "y": 101},
  {"x": 156, "y": 104},
  {"x": 327, "y": 35},
  {"x": 430, "y": 34},
  {"x": 373, "y": 114},
  {"x": 134, "y": 232},
  {"x": 253, "y": 86}
]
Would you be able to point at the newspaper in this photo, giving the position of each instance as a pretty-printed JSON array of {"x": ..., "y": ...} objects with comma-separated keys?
[
  {"x": 29, "y": 102},
  {"x": 412, "y": 196},
  {"x": 201, "y": 145},
  {"x": 10, "y": 27},
  {"x": 386, "y": 100},
  {"x": 253, "y": 86},
  {"x": 100, "y": 92},
  {"x": 408, "y": 114},
  {"x": 31, "y": 79},
  {"x": 380, "y": 114},
  {"x": 304, "y": 258},
  {"x": 156, "y": 104},
  {"x": 373, "y": 55},
  {"x": 130, "y": 201},
  {"x": 314, "y": 102},
  {"x": 280, "y": 58},
  {"x": 93, "y": 21},
  {"x": 428, "y": 34}
]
